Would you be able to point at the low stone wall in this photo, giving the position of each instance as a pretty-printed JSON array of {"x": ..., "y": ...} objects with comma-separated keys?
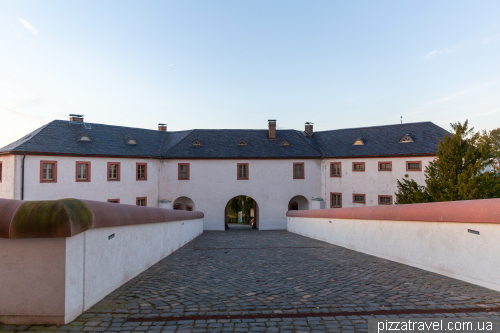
[
  {"x": 458, "y": 239},
  {"x": 59, "y": 258}
]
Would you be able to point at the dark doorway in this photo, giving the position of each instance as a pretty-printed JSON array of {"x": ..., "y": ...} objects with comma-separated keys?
[{"x": 240, "y": 212}]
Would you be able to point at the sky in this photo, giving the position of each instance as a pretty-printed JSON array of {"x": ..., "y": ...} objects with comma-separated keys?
[{"x": 236, "y": 64}]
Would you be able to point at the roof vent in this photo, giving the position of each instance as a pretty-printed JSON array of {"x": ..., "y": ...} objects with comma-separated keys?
[
  {"x": 131, "y": 142},
  {"x": 85, "y": 138},
  {"x": 76, "y": 117},
  {"x": 196, "y": 143},
  {"x": 406, "y": 138},
  {"x": 242, "y": 142},
  {"x": 359, "y": 142},
  {"x": 284, "y": 143}
]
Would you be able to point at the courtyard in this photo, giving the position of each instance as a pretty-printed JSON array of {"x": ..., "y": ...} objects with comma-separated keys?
[{"x": 245, "y": 280}]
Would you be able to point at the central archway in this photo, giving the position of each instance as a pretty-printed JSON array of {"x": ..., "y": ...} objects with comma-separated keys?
[{"x": 241, "y": 211}]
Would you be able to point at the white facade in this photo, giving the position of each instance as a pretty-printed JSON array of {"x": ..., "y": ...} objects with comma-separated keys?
[{"x": 211, "y": 184}]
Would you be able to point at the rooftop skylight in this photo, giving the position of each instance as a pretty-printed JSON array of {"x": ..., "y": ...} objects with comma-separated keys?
[
  {"x": 406, "y": 138},
  {"x": 359, "y": 142}
]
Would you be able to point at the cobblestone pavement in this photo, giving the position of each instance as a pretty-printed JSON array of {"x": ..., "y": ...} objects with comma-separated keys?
[{"x": 241, "y": 272}]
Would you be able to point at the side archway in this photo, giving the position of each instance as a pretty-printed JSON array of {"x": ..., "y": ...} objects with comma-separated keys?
[
  {"x": 298, "y": 202},
  {"x": 184, "y": 203}
]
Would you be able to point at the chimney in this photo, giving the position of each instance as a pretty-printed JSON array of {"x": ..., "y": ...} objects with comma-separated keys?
[
  {"x": 162, "y": 127},
  {"x": 76, "y": 117},
  {"x": 309, "y": 129},
  {"x": 272, "y": 129}
]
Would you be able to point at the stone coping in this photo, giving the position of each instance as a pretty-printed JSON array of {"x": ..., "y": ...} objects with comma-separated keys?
[
  {"x": 478, "y": 211},
  {"x": 69, "y": 217}
]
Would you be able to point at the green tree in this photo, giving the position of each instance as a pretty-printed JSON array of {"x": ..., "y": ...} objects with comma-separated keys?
[{"x": 461, "y": 171}]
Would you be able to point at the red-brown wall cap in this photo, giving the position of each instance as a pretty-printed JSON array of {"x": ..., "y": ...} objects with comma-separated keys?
[
  {"x": 466, "y": 211},
  {"x": 69, "y": 217}
]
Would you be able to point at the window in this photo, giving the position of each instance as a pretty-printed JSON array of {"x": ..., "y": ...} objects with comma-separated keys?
[
  {"x": 183, "y": 171},
  {"x": 335, "y": 169},
  {"x": 141, "y": 201},
  {"x": 48, "y": 171},
  {"x": 196, "y": 142},
  {"x": 141, "y": 171},
  {"x": 284, "y": 143},
  {"x": 83, "y": 171},
  {"x": 405, "y": 139},
  {"x": 114, "y": 171},
  {"x": 358, "y": 198},
  {"x": 114, "y": 200},
  {"x": 0, "y": 171},
  {"x": 336, "y": 200},
  {"x": 177, "y": 207},
  {"x": 384, "y": 166},
  {"x": 85, "y": 138},
  {"x": 359, "y": 142},
  {"x": 189, "y": 208},
  {"x": 385, "y": 199},
  {"x": 242, "y": 171},
  {"x": 413, "y": 165},
  {"x": 358, "y": 166},
  {"x": 242, "y": 142},
  {"x": 298, "y": 170},
  {"x": 132, "y": 142}
]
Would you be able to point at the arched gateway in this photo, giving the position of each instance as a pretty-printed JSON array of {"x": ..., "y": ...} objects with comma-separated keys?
[{"x": 241, "y": 211}]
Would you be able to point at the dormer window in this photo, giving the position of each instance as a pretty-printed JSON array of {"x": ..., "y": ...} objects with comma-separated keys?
[
  {"x": 131, "y": 142},
  {"x": 359, "y": 142},
  {"x": 242, "y": 143},
  {"x": 284, "y": 143},
  {"x": 196, "y": 143},
  {"x": 84, "y": 138},
  {"x": 406, "y": 138}
]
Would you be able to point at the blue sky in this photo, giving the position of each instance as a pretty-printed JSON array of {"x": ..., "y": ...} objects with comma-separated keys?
[{"x": 235, "y": 64}]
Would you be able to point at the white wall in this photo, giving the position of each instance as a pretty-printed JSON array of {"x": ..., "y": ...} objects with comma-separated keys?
[
  {"x": 371, "y": 182},
  {"x": 442, "y": 247},
  {"x": 7, "y": 186},
  {"x": 214, "y": 182},
  {"x": 83, "y": 269},
  {"x": 99, "y": 188}
]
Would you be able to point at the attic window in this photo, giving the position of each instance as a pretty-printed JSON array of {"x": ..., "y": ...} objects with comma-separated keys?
[
  {"x": 284, "y": 143},
  {"x": 196, "y": 142},
  {"x": 242, "y": 143},
  {"x": 406, "y": 138},
  {"x": 85, "y": 138},
  {"x": 359, "y": 142},
  {"x": 131, "y": 142}
]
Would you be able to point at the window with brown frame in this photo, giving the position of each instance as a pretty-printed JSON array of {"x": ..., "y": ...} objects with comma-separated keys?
[
  {"x": 358, "y": 166},
  {"x": 385, "y": 199},
  {"x": 114, "y": 200},
  {"x": 335, "y": 200},
  {"x": 358, "y": 198},
  {"x": 413, "y": 165},
  {"x": 335, "y": 169},
  {"x": 177, "y": 207},
  {"x": 298, "y": 171},
  {"x": 114, "y": 171},
  {"x": 384, "y": 166},
  {"x": 48, "y": 171},
  {"x": 83, "y": 171},
  {"x": 141, "y": 171},
  {"x": 142, "y": 201},
  {"x": 1, "y": 171},
  {"x": 183, "y": 171},
  {"x": 242, "y": 171},
  {"x": 189, "y": 208}
]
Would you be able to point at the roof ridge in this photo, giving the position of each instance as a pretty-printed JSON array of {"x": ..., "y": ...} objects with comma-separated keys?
[
  {"x": 358, "y": 128},
  {"x": 184, "y": 138},
  {"x": 302, "y": 137}
]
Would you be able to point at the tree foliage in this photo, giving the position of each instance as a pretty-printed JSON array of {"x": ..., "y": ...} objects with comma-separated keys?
[{"x": 463, "y": 170}]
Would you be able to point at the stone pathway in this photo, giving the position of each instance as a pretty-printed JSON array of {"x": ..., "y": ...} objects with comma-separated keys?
[{"x": 308, "y": 284}]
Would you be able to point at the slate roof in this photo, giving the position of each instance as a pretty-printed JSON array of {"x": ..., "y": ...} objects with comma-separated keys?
[{"x": 61, "y": 137}]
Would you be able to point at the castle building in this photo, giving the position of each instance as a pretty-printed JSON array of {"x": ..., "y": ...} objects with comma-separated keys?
[{"x": 204, "y": 169}]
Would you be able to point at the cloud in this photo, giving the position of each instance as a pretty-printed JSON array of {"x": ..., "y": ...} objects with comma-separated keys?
[
  {"x": 492, "y": 39},
  {"x": 431, "y": 54},
  {"x": 28, "y": 26}
]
